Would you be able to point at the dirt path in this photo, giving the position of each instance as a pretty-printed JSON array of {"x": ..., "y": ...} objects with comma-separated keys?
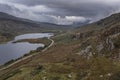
[{"x": 52, "y": 42}]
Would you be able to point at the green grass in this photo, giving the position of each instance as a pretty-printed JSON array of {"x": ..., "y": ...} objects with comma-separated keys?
[{"x": 7, "y": 76}]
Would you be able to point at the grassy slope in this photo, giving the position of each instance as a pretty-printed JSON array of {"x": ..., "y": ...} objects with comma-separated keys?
[
  {"x": 44, "y": 41},
  {"x": 61, "y": 63},
  {"x": 63, "y": 60}
]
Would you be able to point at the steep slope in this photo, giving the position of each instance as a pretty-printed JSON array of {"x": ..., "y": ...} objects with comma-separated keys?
[
  {"x": 102, "y": 36},
  {"x": 112, "y": 20},
  {"x": 91, "y": 52}
]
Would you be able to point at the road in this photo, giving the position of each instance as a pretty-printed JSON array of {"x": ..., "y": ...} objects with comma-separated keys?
[
  {"x": 27, "y": 57},
  {"x": 52, "y": 42}
]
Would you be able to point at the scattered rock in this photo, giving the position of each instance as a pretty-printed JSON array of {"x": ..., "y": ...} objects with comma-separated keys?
[
  {"x": 109, "y": 74},
  {"x": 101, "y": 76},
  {"x": 70, "y": 76},
  {"x": 44, "y": 78}
]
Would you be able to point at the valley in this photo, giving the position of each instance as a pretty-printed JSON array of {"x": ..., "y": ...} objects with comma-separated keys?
[
  {"x": 90, "y": 52},
  {"x": 11, "y": 26}
]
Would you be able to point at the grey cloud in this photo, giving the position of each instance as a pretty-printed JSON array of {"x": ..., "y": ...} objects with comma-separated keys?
[{"x": 50, "y": 10}]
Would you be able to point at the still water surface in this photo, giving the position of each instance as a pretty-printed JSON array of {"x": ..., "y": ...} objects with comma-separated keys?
[{"x": 11, "y": 50}]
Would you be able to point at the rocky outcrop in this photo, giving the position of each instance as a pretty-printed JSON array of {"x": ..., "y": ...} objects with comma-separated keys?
[
  {"x": 104, "y": 48},
  {"x": 111, "y": 31}
]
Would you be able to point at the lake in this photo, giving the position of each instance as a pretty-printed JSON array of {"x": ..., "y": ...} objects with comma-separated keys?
[{"x": 11, "y": 50}]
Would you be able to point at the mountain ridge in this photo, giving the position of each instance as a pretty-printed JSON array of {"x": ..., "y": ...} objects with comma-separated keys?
[
  {"x": 12, "y": 26},
  {"x": 90, "y": 52}
]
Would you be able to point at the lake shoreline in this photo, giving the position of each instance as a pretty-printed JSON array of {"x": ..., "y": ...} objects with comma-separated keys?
[
  {"x": 39, "y": 49},
  {"x": 13, "y": 62},
  {"x": 38, "y": 41}
]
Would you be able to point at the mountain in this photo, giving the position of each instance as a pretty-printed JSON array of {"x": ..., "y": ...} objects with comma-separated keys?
[
  {"x": 76, "y": 24},
  {"x": 104, "y": 35},
  {"x": 92, "y": 50},
  {"x": 89, "y": 52},
  {"x": 11, "y": 26},
  {"x": 103, "y": 23},
  {"x": 99, "y": 44}
]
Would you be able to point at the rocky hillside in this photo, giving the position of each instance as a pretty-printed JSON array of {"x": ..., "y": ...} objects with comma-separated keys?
[
  {"x": 104, "y": 39},
  {"x": 91, "y": 52}
]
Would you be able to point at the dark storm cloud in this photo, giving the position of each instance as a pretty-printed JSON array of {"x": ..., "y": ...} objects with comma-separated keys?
[{"x": 60, "y": 11}]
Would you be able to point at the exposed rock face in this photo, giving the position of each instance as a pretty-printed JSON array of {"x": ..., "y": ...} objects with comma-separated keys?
[
  {"x": 100, "y": 47},
  {"x": 111, "y": 31},
  {"x": 106, "y": 43},
  {"x": 104, "y": 37},
  {"x": 85, "y": 51}
]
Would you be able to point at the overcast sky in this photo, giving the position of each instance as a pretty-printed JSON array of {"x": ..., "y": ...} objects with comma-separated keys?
[{"x": 60, "y": 11}]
